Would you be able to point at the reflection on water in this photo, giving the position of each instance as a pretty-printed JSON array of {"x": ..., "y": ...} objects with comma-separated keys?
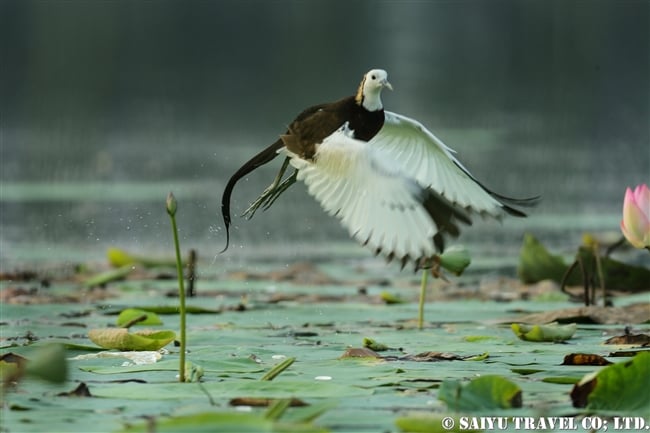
[{"x": 107, "y": 106}]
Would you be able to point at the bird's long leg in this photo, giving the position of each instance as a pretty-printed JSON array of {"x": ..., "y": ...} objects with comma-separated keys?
[
  {"x": 268, "y": 193},
  {"x": 280, "y": 189},
  {"x": 427, "y": 265}
]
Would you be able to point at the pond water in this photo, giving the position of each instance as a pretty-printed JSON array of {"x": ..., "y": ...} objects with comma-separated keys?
[{"x": 107, "y": 107}]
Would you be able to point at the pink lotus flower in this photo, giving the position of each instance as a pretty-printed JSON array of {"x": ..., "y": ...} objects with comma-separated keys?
[{"x": 636, "y": 216}]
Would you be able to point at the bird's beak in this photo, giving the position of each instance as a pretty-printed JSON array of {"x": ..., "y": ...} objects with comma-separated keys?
[{"x": 386, "y": 84}]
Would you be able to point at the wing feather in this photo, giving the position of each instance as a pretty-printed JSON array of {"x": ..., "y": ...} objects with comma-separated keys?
[
  {"x": 432, "y": 164},
  {"x": 379, "y": 205}
]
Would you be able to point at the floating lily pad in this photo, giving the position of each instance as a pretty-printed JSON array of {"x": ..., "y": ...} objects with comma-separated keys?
[
  {"x": 550, "y": 332},
  {"x": 104, "y": 278},
  {"x": 118, "y": 258},
  {"x": 431, "y": 424},
  {"x": 374, "y": 345},
  {"x": 209, "y": 422},
  {"x": 481, "y": 394},
  {"x": 131, "y": 316},
  {"x": 620, "y": 387},
  {"x": 121, "y": 339}
]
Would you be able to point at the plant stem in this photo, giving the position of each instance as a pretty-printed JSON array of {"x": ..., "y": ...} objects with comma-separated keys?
[
  {"x": 423, "y": 292},
  {"x": 278, "y": 368},
  {"x": 171, "y": 210}
]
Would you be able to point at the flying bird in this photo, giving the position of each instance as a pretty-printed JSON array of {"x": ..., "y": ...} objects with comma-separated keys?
[{"x": 396, "y": 187}]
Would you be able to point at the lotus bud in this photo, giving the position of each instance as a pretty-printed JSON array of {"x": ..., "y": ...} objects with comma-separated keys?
[
  {"x": 636, "y": 216},
  {"x": 455, "y": 259},
  {"x": 171, "y": 204}
]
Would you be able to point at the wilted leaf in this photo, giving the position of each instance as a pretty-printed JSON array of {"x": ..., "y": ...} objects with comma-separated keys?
[
  {"x": 359, "y": 352},
  {"x": 80, "y": 391},
  {"x": 262, "y": 402},
  {"x": 584, "y": 359},
  {"x": 481, "y": 394},
  {"x": 621, "y": 387},
  {"x": 549, "y": 332},
  {"x": 633, "y": 313},
  {"x": 432, "y": 357},
  {"x": 634, "y": 339},
  {"x": 121, "y": 339},
  {"x": 11, "y": 367}
]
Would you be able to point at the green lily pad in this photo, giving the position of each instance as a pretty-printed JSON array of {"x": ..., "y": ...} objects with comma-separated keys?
[
  {"x": 48, "y": 363},
  {"x": 121, "y": 339},
  {"x": 131, "y": 315},
  {"x": 481, "y": 394},
  {"x": 104, "y": 278},
  {"x": 620, "y": 387},
  {"x": 374, "y": 345},
  {"x": 536, "y": 263},
  {"x": 390, "y": 298},
  {"x": 118, "y": 258},
  {"x": 430, "y": 424},
  {"x": 227, "y": 422},
  {"x": 550, "y": 332}
]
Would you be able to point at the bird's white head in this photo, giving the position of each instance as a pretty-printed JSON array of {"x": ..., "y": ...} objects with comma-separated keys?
[{"x": 369, "y": 93}]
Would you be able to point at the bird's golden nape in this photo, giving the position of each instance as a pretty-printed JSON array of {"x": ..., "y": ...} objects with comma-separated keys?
[{"x": 358, "y": 98}]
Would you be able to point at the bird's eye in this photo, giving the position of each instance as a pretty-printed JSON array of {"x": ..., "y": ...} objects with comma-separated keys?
[{"x": 374, "y": 77}]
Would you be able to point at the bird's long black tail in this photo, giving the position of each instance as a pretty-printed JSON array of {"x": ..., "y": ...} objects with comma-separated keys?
[
  {"x": 257, "y": 161},
  {"x": 509, "y": 204}
]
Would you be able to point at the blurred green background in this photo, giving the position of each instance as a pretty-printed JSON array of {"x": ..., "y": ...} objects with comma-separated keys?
[{"x": 106, "y": 106}]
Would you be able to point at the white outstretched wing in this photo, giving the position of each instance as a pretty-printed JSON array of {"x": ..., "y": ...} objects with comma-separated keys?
[
  {"x": 380, "y": 206},
  {"x": 420, "y": 154}
]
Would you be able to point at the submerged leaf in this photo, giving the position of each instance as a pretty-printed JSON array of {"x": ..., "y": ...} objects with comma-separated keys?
[
  {"x": 121, "y": 339},
  {"x": 481, "y": 394},
  {"x": 549, "y": 332}
]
